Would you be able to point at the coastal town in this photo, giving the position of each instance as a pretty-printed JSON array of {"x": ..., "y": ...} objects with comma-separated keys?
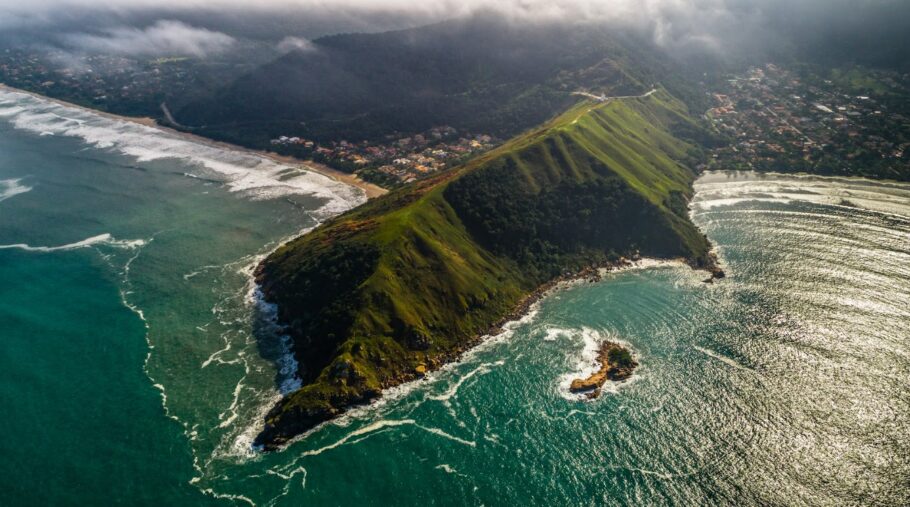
[
  {"x": 127, "y": 85},
  {"x": 139, "y": 87},
  {"x": 784, "y": 120},
  {"x": 396, "y": 160},
  {"x": 850, "y": 121}
]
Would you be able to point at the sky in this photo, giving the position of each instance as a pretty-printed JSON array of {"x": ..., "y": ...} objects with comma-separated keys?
[{"x": 209, "y": 27}]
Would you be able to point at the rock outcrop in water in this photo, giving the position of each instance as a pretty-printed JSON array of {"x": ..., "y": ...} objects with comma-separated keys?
[
  {"x": 616, "y": 365},
  {"x": 407, "y": 282}
]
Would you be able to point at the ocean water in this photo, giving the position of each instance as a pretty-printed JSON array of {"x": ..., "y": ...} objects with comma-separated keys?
[{"x": 137, "y": 361}]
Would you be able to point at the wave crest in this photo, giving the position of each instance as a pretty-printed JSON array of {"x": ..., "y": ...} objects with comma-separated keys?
[
  {"x": 252, "y": 175},
  {"x": 99, "y": 240},
  {"x": 12, "y": 188}
]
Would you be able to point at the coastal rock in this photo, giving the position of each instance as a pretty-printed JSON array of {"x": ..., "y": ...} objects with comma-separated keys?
[
  {"x": 417, "y": 340},
  {"x": 421, "y": 275},
  {"x": 616, "y": 364}
]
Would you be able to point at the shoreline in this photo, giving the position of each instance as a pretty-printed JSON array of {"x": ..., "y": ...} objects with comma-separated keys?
[
  {"x": 591, "y": 274},
  {"x": 407, "y": 381},
  {"x": 370, "y": 190}
]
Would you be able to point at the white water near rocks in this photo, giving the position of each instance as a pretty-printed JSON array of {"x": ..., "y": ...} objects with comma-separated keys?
[{"x": 754, "y": 390}]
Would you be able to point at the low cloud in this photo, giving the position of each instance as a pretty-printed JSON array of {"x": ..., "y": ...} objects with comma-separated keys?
[
  {"x": 681, "y": 26},
  {"x": 165, "y": 37},
  {"x": 289, "y": 44}
]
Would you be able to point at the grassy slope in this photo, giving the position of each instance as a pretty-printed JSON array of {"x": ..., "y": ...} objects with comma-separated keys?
[{"x": 409, "y": 280}]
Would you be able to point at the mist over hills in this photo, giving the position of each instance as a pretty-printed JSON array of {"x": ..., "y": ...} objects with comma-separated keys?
[
  {"x": 724, "y": 27},
  {"x": 471, "y": 232},
  {"x": 363, "y": 70},
  {"x": 481, "y": 73}
]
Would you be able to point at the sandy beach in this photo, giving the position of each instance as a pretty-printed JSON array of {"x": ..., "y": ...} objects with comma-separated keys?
[{"x": 370, "y": 189}]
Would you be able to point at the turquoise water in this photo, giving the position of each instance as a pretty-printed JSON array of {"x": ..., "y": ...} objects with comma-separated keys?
[{"x": 137, "y": 360}]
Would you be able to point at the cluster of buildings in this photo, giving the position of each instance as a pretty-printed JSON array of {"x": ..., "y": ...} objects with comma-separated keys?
[
  {"x": 784, "y": 120},
  {"x": 397, "y": 160},
  {"x": 100, "y": 80}
]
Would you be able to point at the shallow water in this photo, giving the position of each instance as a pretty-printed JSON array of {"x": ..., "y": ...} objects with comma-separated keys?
[{"x": 786, "y": 383}]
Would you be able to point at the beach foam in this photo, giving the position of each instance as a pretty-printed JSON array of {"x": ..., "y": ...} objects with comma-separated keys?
[
  {"x": 287, "y": 365},
  {"x": 252, "y": 175}
]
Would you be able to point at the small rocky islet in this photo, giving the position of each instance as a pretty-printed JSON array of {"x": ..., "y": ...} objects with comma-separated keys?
[
  {"x": 405, "y": 283},
  {"x": 616, "y": 365}
]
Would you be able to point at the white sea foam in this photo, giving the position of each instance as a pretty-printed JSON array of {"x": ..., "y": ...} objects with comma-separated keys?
[
  {"x": 586, "y": 362},
  {"x": 255, "y": 176},
  {"x": 99, "y": 240},
  {"x": 230, "y": 415},
  {"x": 240, "y": 446},
  {"x": 215, "y": 356},
  {"x": 287, "y": 364},
  {"x": 11, "y": 188},
  {"x": 453, "y": 389},
  {"x": 720, "y": 357},
  {"x": 724, "y": 189},
  {"x": 287, "y": 478},
  {"x": 554, "y": 333},
  {"x": 366, "y": 430},
  {"x": 446, "y": 468},
  {"x": 441, "y": 433},
  {"x": 227, "y": 496},
  {"x": 360, "y": 435}
]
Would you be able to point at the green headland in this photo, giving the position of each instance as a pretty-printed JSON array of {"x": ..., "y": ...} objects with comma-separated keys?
[{"x": 384, "y": 293}]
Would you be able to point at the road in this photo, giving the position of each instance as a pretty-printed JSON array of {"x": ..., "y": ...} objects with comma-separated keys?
[
  {"x": 604, "y": 98},
  {"x": 168, "y": 115}
]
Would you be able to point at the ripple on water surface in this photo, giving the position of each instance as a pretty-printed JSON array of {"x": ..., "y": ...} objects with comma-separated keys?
[{"x": 784, "y": 384}]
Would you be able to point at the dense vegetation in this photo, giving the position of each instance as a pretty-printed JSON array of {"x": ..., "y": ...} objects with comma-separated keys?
[
  {"x": 481, "y": 74},
  {"x": 394, "y": 288},
  {"x": 621, "y": 358}
]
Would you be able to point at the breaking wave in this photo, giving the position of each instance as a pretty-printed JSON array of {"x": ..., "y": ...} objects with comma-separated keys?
[
  {"x": 12, "y": 188},
  {"x": 252, "y": 175},
  {"x": 99, "y": 240},
  {"x": 585, "y": 362},
  {"x": 725, "y": 189}
]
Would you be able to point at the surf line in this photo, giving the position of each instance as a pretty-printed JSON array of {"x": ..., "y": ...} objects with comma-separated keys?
[{"x": 101, "y": 239}]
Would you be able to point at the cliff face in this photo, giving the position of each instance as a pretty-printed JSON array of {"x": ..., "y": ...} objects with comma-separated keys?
[{"x": 404, "y": 283}]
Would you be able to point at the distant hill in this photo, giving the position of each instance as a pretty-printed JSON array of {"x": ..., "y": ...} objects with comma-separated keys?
[
  {"x": 405, "y": 282},
  {"x": 482, "y": 74}
]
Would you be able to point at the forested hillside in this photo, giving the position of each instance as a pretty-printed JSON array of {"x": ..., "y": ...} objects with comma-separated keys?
[
  {"x": 404, "y": 283},
  {"x": 482, "y": 74}
]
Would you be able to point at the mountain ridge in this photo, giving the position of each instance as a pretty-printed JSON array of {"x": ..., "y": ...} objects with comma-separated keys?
[
  {"x": 482, "y": 74},
  {"x": 406, "y": 282}
]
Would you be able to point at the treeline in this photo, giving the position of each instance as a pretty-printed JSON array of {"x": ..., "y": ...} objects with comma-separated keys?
[{"x": 569, "y": 225}]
